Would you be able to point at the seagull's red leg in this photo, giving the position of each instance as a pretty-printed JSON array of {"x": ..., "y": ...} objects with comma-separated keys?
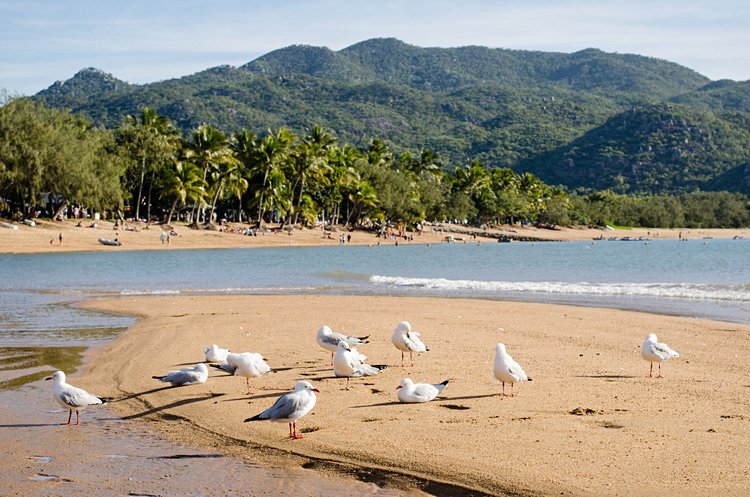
[
  {"x": 70, "y": 415},
  {"x": 247, "y": 382},
  {"x": 659, "y": 371},
  {"x": 651, "y": 369},
  {"x": 290, "y": 431},
  {"x": 402, "y": 358},
  {"x": 411, "y": 358},
  {"x": 296, "y": 435},
  {"x": 78, "y": 419},
  {"x": 331, "y": 358}
]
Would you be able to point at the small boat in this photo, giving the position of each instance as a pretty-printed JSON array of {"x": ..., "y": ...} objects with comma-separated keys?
[
  {"x": 8, "y": 225},
  {"x": 29, "y": 222},
  {"x": 107, "y": 241}
]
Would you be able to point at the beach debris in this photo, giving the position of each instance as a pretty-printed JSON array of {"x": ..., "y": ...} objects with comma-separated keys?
[
  {"x": 290, "y": 407},
  {"x": 185, "y": 376},
  {"x": 72, "y": 398},
  {"x": 655, "y": 351},
  {"x": 507, "y": 370},
  {"x": 407, "y": 340},
  {"x": 329, "y": 339},
  {"x": 410, "y": 392},
  {"x": 348, "y": 362},
  {"x": 580, "y": 411}
]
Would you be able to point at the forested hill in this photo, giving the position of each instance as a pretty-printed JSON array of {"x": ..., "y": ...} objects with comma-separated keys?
[{"x": 589, "y": 119}]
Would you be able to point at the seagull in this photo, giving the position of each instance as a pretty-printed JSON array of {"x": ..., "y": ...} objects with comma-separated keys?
[
  {"x": 72, "y": 398},
  {"x": 216, "y": 354},
  {"x": 410, "y": 392},
  {"x": 406, "y": 340},
  {"x": 507, "y": 370},
  {"x": 247, "y": 364},
  {"x": 290, "y": 407},
  {"x": 329, "y": 339},
  {"x": 350, "y": 363},
  {"x": 654, "y": 351},
  {"x": 185, "y": 376}
]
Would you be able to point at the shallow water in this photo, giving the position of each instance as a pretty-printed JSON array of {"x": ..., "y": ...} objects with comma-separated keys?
[{"x": 109, "y": 456}]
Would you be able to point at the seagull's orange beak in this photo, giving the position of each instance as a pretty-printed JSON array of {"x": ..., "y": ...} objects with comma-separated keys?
[
  {"x": 315, "y": 390},
  {"x": 398, "y": 387}
]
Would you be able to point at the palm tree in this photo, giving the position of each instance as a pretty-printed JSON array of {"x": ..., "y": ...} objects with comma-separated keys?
[
  {"x": 185, "y": 183},
  {"x": 363, "y": 197},
  {"x": 310, "y": 161},
  {"x": 269, "y": 158},
  {"x": 150, "y": 138},
  {"x": 212, "y": 153}
]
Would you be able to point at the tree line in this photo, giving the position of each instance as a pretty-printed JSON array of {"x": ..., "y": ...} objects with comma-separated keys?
[{"x": 145, "y": 169}]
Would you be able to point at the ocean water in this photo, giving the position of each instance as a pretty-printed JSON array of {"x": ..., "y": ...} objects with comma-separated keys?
[{"x": 701, "y": 278}]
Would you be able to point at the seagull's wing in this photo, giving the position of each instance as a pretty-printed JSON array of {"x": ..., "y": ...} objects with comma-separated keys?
[
  {"x": 331, "y": 339},
  {"x": 284, "y": 407},
  {"x": 425, "y": 391},
  {"x": 181, "y": 377},
  {"x": 516, "y": 370},
  {"x": 77, "y": 397},
  {"x": 664, "y": 351}
]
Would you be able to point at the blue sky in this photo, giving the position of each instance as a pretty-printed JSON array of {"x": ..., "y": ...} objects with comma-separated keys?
[{"x": 42, "y": 41}]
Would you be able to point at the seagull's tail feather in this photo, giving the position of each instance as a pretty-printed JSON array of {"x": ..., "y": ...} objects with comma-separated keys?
[
  {"x": 257, "y": 417},
  {"x": 105, "y": 400},
  {"x": 160, "y": 378},
  {"x": 445, "y": 382},
  {"x": 363, "y": 339},
  {"x": 528, "y": 379}
]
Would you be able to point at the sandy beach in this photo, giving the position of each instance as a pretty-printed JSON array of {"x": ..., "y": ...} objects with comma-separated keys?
[
  {"x": 590, "y": 423},
  {"x": 45, "y": 236}
]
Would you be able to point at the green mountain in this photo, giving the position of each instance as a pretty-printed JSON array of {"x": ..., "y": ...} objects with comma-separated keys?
[{"x": 583, "y": 120}]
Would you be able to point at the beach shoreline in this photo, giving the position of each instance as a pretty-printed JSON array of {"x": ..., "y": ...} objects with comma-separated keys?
[
  {"x": 684, "y": 434},
  {"x": 66, "y": 236}
]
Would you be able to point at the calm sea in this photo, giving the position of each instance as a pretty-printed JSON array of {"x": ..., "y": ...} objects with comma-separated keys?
[{"x": 701, "y": 278}]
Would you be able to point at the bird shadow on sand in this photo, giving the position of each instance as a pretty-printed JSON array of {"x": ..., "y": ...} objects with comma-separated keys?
[
  {"x": 379, "y": 404},
  {"x": 138, "y": 394},
  {"x": 608, "y": 376},
  {"x": 31, "y": 425},
  {"x": 248, "y": 398},
  {"x": 178, "y": 403},
  {"x": 466, "y": 397}
]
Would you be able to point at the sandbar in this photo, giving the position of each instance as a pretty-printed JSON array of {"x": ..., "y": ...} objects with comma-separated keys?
[{"x": 592, "y": 422}]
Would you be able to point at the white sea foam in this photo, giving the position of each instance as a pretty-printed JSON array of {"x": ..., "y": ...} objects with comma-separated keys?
[{"x": 738, "y": 293}]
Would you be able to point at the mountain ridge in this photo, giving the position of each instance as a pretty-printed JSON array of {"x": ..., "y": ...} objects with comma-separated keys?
[{"x": 507, "y": 108}]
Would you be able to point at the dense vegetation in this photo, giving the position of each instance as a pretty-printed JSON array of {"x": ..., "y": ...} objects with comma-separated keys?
[
  {"x": 584, "y": 121},
  {"x": 144, "y": 168}
]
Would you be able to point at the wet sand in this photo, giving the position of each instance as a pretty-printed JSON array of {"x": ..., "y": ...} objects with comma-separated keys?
[
  {"x": 111, "y": 456},
  {"x": 44, "y": 237},
  {"x": 590, "y": 423}
]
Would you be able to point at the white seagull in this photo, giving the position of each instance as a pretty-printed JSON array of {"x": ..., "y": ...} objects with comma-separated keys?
[
  {"x": 410, "y": 392},
  {"x": 185, "y": 376},
  {"x": 348, "y": 362},
  {"x": 329, "y": 339},
  {"x": 507, "y": 370},
  {"x": 72, "y": 398},
  {"x": 654, "y": 351},
  {"x": 290, "y": 407},
  {"x": 247, "y": 364},
  {"x": 406, "y": 340},
  {"x": 216, "y": 354}
]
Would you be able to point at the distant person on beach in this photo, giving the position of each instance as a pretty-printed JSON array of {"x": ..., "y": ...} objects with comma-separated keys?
[
  {"x": 163, "y": 237},
  {"x": 60, "y": 238}
]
